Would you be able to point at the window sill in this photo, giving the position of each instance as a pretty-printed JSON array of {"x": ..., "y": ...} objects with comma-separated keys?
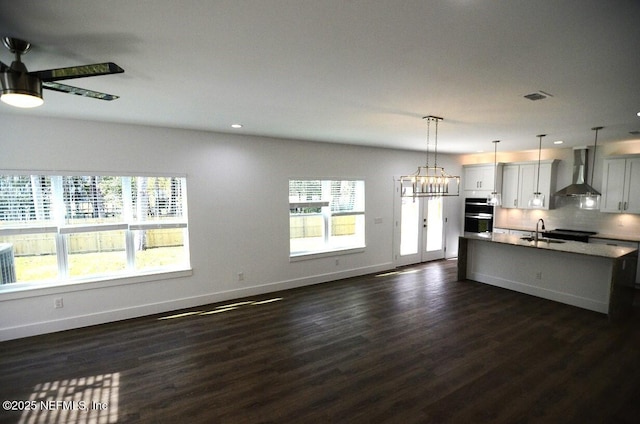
[
  {"x": 297, "y": 257},
  {"x": 26, "y": 290}
]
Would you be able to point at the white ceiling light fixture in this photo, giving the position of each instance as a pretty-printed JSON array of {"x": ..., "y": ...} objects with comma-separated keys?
[
  {"x": 19, "y": 89},
  {"x": 495, "y": 198},
  {"x": 591, "y": 199},
  {"x": 236, "y": 126},
  {"x": 537, "y": 200},
  {"x": 430, "y": 181}
]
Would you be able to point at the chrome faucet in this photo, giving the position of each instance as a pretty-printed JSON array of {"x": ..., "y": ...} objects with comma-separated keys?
[{"x": 536, "y": 235}]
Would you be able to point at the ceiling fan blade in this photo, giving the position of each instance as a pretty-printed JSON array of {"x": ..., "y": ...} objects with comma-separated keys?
[
  {"x": 78, "y": 91},
  {"x": 78, "y": 71}
]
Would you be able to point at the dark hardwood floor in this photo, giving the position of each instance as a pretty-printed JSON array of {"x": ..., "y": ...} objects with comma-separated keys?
[{"x": 412, "y": 346}]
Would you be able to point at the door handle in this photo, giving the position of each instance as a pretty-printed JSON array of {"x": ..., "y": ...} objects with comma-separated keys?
[
  {"x": 626, "y": 205},
  {"x": 619, "y": 206}
]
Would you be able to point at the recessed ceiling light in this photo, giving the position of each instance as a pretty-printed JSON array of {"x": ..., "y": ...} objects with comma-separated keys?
[
  {"x": 558, "y": 142},
  {"x": 638, "y": 113},
  {"x": 236, "y": 126}
]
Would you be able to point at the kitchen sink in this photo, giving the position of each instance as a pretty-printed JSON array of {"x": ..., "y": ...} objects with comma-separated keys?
[{"x": 545, "y": 240}]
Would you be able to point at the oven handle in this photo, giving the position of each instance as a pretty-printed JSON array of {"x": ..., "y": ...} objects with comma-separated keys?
[{"x": 478, "y": 215}]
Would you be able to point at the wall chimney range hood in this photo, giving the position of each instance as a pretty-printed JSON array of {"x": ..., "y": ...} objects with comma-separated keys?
[{"x": 578, "y": 186}]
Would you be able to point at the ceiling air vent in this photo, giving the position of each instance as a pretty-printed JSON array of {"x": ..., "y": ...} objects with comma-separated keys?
[
  {"x": 636, "y": 132},
  {"x": 538, "y": 95}
]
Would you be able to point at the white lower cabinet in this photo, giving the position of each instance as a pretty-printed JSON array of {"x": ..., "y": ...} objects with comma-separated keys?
[{"x": 498, "y": 230}]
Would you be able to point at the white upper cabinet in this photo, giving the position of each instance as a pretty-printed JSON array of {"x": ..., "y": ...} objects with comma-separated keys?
[
  {"x": 621, "y": 185},
  {"x": 479, "y": 179},
  {"x": 510, "y": 179},
  {"x": 520, "y": 181}
]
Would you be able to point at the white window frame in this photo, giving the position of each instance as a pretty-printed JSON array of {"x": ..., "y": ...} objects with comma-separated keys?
[
  {"x": 327, "y": 214},
  {"x": 57, "y": 225}
]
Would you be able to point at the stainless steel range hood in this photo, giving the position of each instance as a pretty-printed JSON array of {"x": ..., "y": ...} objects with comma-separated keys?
[{"x": 578, "y": 187}]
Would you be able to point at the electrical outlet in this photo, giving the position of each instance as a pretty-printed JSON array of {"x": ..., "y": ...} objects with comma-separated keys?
[
  {"x": 337, "y": 262},
  {"x": 538, "y": 275},
  {"x": 241, "y": 276},
  {"x": 57, "y": 303}
]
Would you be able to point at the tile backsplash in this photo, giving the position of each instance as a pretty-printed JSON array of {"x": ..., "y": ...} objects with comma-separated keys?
[{"x": 567, "y": 215}]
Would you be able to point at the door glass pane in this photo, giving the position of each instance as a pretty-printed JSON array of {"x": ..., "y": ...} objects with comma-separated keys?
[
  {"x": 409, "y": 226},
  {"x": 434, "y": 224}
]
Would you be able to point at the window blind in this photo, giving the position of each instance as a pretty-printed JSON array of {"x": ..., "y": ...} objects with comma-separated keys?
[
  {"x": 91, "y": 197},
  {"x": 157, "y": 198},
  {"x": 25, "y": 199}
]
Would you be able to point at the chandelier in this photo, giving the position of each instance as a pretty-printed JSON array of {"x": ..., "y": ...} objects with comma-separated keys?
[{"x": 430, "y": 180}]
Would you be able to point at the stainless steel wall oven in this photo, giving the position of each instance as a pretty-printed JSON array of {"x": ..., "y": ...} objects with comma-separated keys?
[{"x": 478, "y": 215}]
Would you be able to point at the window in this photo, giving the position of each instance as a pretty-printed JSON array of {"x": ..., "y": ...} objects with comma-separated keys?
[
  {"x": 56, "y": 228},
  {"x": 325, "y": 216}
]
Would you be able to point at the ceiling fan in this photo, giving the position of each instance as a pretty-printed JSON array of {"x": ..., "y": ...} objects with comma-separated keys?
[{"x": 22, "y": 88}]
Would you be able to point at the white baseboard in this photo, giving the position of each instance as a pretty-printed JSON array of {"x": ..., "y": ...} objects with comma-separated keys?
[{"x": 562, "y": 297}]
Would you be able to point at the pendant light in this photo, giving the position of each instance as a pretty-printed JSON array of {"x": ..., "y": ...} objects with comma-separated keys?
[
  {"x": 591, "y": 200},
  {"x": 495, "y": 198},
  {"x": 430, "y": 181},
  {"x": 537, "y": 200}
]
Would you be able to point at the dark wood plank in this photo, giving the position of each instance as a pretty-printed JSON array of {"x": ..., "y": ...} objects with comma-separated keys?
[{"x": 413, "y": 346}]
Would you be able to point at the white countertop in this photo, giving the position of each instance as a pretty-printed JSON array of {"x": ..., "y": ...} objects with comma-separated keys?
[{"x": 591, "y": 249}]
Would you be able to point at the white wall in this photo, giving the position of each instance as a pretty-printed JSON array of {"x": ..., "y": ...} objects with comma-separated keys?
[{"x": 238, "y": 215}]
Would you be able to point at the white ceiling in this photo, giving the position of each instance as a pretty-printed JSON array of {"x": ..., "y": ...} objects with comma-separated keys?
[{"x": 348, "y": 71}]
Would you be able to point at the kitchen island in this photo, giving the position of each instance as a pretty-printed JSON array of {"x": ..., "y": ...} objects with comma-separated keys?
[{"x": 591, "y": 276}]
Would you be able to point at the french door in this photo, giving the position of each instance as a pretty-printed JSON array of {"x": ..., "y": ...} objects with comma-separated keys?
[{"x": 419, "y": 229}]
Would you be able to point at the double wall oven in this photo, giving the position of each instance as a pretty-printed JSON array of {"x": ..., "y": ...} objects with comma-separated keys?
[{"x": 478, "y": 215}]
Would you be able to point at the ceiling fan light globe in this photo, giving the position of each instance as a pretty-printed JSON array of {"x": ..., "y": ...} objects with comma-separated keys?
[
  {"x": 21, "y": 90},
  {"x": 22, "y": 100}
]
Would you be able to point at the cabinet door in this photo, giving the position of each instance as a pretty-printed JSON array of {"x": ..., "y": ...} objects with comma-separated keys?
[
  {"x": 612, "y": 185},
  {"x": 527, "y": 184},
  {"x": 472, "y": 178},
  {"x": 545, "y": 182},
  {"x": 631, "y": 201},
  {"x": 487, "y": 181},
  {"x": 510, "y": 174},
  {"x": 479, "y": 178}
]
